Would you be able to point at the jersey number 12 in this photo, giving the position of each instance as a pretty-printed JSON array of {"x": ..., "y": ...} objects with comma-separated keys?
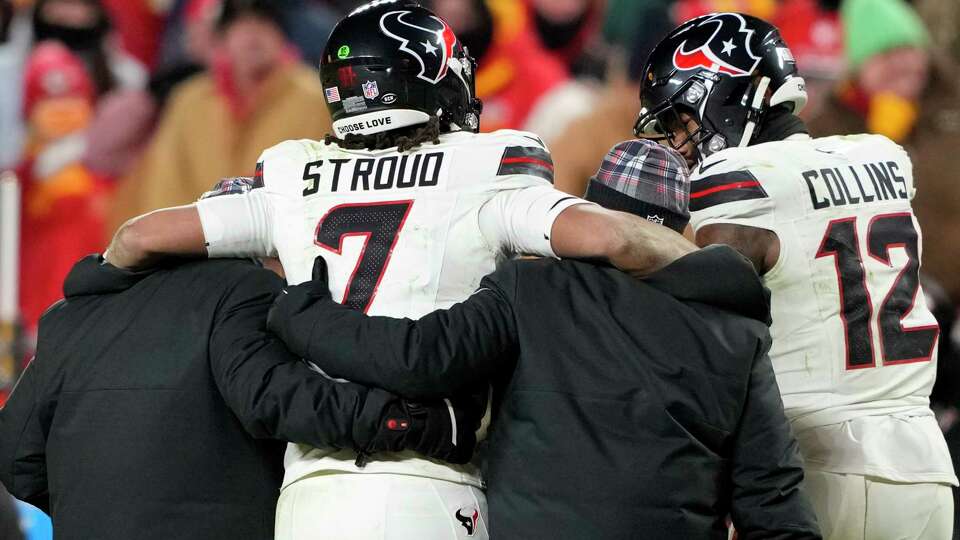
[{"x": 898, "y": 345}]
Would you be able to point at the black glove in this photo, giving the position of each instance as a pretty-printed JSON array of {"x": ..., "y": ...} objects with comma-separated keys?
[
  {"x": 444, "y": 430},
  {"x": 295, "y": 299}
]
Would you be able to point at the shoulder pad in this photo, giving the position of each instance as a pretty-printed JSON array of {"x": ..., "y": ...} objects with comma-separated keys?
[
  {"x": 294, "y": 149},
  {"x": 516, "y": 137},
  {"x": 529, "y": 160},
  {"x": 281, "y": 168},
  {"x": 521, "y": 153},
  {"x": 724, "y": 186},
  {"x": 236, "y": 184}
]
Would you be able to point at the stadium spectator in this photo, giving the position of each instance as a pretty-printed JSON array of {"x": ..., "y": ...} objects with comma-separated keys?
[
  {"x": 625, "y": 409},
  {"x": 119, "y": 132},
  {"x": 815, "y": 37},
  {"x": 84, "y": 27},
  {"x": 568, "y": 31},
  {"x": 586, "y": 139},
  {"x": 15, "y": 41},
  {"x": 514, "y": 72},
  {"x": 138, "y": 26},
  {"x": 684, "y": 10},
  {"x": 188, "y": 38},
  {"x": 125, "y": 121},
  {"x": 64, "y": 203},
  {"x": 306, "y": 22},
  {"x": 898, "y": 88},
  {"x": 943, "y": 19},
  {"x": 216, "y": 124}
]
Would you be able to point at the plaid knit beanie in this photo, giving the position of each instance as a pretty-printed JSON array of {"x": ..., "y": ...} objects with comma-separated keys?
[{"x": 645, "y": 179}]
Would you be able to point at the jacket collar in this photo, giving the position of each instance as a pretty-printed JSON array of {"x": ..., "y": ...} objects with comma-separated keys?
[
  {"x": 93, "y": 275},
  {"x": 719, "y": 276}
]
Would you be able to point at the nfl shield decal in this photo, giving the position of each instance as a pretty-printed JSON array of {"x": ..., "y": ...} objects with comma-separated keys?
[{"x": 370, "y": 90}]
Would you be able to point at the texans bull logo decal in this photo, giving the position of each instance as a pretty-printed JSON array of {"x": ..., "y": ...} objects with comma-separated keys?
[
  {"x": 430, "y": 41},
  {"x": 719, "y": 43}
]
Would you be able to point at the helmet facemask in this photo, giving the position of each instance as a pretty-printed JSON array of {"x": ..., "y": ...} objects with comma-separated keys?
[
  {"x": 724, "y": 70},
  {"x": 666, "y": 123},
  {"x": 459, "y": 112}
]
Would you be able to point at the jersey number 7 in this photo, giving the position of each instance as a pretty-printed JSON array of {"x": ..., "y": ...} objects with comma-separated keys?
[
  {"x": 380, "y": 223},
  {"x": 898, "y": 345}
]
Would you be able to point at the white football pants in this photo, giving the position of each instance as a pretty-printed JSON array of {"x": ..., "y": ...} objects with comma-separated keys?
[
  {"x": 854, "y": 507},
  {"x": 351, "y": 506}
]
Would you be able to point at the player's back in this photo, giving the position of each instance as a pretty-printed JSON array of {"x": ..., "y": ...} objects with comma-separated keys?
[
  {"x": 406, "y": 233},
  {"x": 852, "y": 335},
  {"x": 854, "y": 344},
  {"x": 401, "y": 232}
]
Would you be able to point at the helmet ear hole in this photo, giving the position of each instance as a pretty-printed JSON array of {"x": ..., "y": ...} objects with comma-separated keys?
[{"x": 793, "y": 92}]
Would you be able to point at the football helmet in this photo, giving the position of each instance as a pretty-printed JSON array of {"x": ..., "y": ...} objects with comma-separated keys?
[
  {"x": 390, "y": 64},
  {"x": 725, "y": 70}
]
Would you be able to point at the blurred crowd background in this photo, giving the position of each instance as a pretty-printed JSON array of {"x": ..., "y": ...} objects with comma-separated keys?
[{"x": 111, "y": 108}]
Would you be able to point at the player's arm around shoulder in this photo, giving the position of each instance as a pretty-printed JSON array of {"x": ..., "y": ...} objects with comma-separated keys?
[
  {"x": 627, "y": 240},
  {"x": 275, "y": 395},
  {"x": 731, "y": 203},
  {"x": 632, "y": 244},
  {"x": 431, "y": 357},
  {"x": 271, "y": 392},
  {"x": 234, "y": 219},
  {"x": 146, "y": 240},
  {"x": 528, "y": 215}
]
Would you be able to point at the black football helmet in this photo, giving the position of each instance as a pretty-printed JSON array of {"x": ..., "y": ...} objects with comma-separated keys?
[
  {"x": 719, "y": 69},
  {"x": 390, "y": 64}
]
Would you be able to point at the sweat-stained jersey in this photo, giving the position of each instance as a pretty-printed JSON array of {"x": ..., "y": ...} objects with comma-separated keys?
[
  {"x": 852, "y": 336},
  {"x": 403, "y": 234}
]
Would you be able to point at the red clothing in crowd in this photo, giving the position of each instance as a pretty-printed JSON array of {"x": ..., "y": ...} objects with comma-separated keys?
[
  {"x": 57, "y": 232},
  {"x": 63, "y": 204},
  {"x": 139, "y": 26},
  {"x": 516, "y": 71}
]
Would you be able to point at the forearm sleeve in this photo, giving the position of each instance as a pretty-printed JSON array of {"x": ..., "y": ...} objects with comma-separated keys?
[
  {"x": 768, "y": 499},
  {"x": 521, "y": 220},
  {"x": 238, "y": 225},
  {"x": 432, "y": 357},
  {"x": 274, "y": 394}
]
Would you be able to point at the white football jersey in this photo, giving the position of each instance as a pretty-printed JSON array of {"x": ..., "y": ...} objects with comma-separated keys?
[
  {"x": 852, "y": 336},
  {"x": 403, "y": 234}
]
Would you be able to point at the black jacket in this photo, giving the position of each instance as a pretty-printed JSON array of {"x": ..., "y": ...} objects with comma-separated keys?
[
  {"x": 626, "y": 409},
  {"x": 9, "y": 517},
  {"x": 134, "y": 420}
]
